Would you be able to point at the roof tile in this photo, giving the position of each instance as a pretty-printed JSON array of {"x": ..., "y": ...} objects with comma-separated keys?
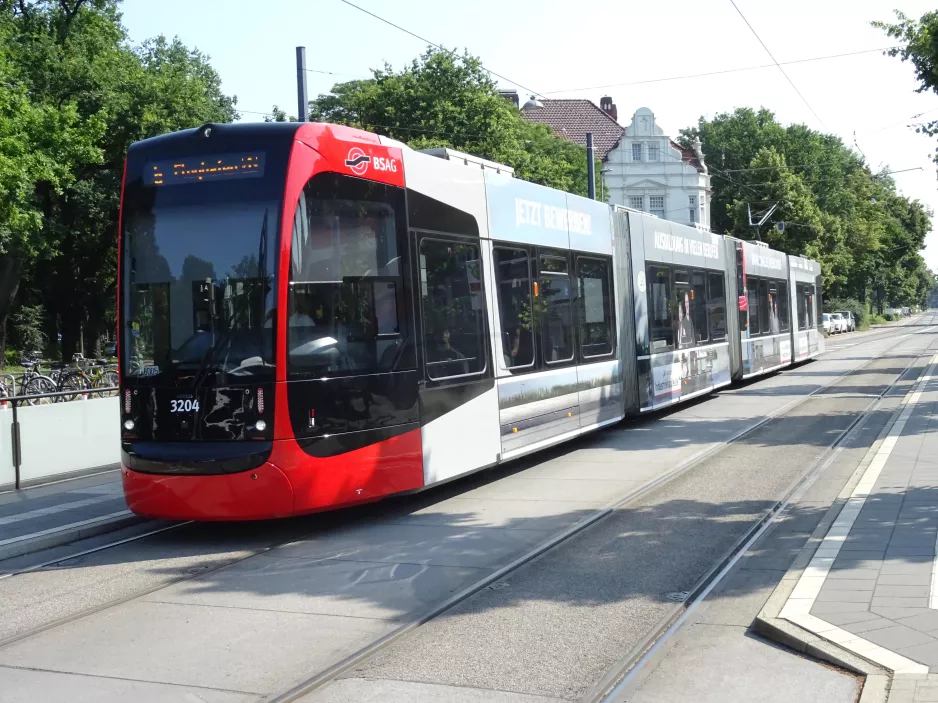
[{"x": 573, "y": 118}]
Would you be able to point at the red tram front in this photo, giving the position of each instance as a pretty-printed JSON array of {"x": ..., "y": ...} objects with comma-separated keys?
[{"x": 268, "y": 364}]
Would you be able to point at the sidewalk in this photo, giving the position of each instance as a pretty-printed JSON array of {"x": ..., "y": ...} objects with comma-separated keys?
[
  {"x": 871, "y": 586},
  {"x": 56, "y": 514}
]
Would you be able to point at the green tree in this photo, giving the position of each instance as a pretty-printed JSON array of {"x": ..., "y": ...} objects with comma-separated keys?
[
  {"x": 834, "y": 209},
  {"x": 72, "y": 57},
  {"x": 444, "y": 99},
  {"x": 42, "y": 145}
]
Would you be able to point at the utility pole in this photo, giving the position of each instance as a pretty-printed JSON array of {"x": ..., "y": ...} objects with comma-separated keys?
[
  {"x": 302, "y": 100},
  {"x": 590, "y": 168}
]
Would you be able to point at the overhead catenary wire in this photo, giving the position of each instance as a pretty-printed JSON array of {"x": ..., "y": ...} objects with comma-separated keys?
[
  {"x": 843, "y": 177},
  {"x": 663, "y": 79},
  {"x": 713, "y": 171},
  {"x": 719, "y": 173},
  {"x": 775, "y": 61},
  {"x": 718, "y": 72},
  {"x": 437, "y": 46}
]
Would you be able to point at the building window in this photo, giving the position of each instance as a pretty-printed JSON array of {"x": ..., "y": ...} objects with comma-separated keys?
[
  {"x": 637, "y": 202},
  {"x": 653, "y": 151},
  {"x": 692, "y": 202},
  {"x": 636, "y": 152},
  {"x": 656, "y": 205}
]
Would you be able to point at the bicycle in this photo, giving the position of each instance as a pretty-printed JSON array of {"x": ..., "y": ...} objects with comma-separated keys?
[
  {"x": 99, "y": 374},
  {"x": 33, "y": 382},
  {"x": 103, "y": 374}
]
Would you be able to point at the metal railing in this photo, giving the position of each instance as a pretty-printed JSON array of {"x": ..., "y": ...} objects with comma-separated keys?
[{"x": 16, "y": 400}]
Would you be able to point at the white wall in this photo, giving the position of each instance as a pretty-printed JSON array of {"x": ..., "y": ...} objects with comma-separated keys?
[{"x": 62, "y": 438}]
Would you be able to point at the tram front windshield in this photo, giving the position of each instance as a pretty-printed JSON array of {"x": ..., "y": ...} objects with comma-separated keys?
[{"x": 199, "y": 280}]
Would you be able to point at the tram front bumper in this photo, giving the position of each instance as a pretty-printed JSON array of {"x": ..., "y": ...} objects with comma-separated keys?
[{"x": 257, "y": 494}]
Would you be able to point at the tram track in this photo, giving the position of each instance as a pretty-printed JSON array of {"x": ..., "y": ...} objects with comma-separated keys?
[
  {"x": 620, "y": 677},
  {"x": 317, "y": 680},
  {"x": 880, "y": 334},
  {"x": 612, "y": 683}
]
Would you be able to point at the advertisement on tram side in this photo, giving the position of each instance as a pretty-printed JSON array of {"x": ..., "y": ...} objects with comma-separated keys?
[
  {"x": 531, "y": 214},
  {"x": 669, "y": 377}
]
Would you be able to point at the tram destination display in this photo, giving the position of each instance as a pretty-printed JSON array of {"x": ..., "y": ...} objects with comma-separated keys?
[{"x": 209, "y": 167}]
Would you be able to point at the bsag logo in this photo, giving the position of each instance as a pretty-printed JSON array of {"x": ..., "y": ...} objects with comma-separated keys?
[
  {"x": 385, "y": 164},
  {"x": 357, "y": 160}
]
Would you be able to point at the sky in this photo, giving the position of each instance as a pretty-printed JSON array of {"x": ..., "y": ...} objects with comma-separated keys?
[{"x": 588, "y": 49}]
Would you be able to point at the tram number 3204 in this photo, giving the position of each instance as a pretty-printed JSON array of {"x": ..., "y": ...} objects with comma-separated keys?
[{"x": 184, "y": 406}]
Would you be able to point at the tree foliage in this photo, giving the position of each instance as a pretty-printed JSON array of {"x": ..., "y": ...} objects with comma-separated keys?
[
  {"x": 75, "y": 95},
  {"x": 866, "y": 236},
  {"x": 446, "y": 99}
]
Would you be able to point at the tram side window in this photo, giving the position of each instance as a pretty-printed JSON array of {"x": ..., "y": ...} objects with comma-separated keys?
[
  {"x": 716, "y": 306},
  {"x": 346, "y": 284},
  {"x": 809, "y": 305},
  {"x": 753, "y": 301},
  {"x": 661, "y": 331},
  {"x": 698, "y": 305},
  {"x": 453, "y": 308},
  {"x": 513, "y": 281},
  {"x": 767, "y": 298},
  {"x": 806, "y": 311},
  {"x": 783, "y": 318},
  {"x": 596, "y": 318},
  {"x": 799, "y": 303},
  {"x": 556, "y": 320},
  {"x": 685, "y": 327}
]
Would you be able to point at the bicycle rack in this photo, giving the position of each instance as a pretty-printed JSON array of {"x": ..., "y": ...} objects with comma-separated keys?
[{"x": 15, "y": 438}]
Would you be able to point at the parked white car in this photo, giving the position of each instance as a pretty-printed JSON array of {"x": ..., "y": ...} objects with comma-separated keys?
[
  {"x": 850, "y": 322},
  {"x": 826, "y": 321},
  {"x": 837, "y": 323}
]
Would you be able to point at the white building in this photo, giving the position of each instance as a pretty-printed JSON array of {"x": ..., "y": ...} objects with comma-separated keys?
[
  {"x": 649, "y": 171},
  {"x": 642, "y": 168}
]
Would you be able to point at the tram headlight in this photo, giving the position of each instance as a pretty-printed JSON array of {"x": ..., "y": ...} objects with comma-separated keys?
[
  {"x": 129, "y": 425},
  {"x": 260, "y": 425}
]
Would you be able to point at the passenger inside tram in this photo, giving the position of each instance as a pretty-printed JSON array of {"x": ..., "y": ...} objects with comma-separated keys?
[
  {"x": 513, "y": 348},
  {"x": 448, "y": 360}
]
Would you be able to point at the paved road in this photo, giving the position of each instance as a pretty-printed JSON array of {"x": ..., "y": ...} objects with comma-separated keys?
[{"x": 237, "y": 613}]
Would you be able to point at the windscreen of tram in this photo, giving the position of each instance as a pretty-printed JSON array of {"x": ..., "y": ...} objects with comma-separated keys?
[
  {"x": 199, "y": 279},
  {"x": 346, "y": 311}
]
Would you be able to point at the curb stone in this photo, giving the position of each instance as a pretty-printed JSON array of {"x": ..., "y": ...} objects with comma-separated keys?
[
  {"x": 67, "y": 534},
  {"x": 769, "y": 625}
]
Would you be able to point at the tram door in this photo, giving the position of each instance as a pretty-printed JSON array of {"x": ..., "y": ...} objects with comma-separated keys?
[{"x": 458, "y": 401}]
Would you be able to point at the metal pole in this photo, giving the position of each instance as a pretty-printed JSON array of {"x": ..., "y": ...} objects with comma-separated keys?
[
  {"x": 302, "y": 101},
  {"x": 15, "y": 445},
  {"x": 590, "y": 168}
]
